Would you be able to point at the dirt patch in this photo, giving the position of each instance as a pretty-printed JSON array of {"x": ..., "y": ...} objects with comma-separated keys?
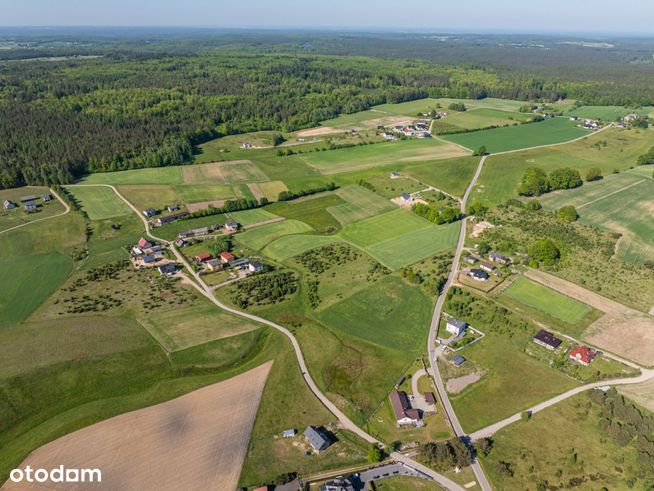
[
  {"x": 479, "y": 228},
  {"x": 321, "y": 130},
  {"x": 456, "y": 385},
  {"x": 197, "y": 441},
  {"x": 408, "y": 204},
  {"x": 203, "y": 205},
  {"x": 255, "y": 190}
]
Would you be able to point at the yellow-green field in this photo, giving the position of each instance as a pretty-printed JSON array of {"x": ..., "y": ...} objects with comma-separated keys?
[{"x": 99, "y": 202}]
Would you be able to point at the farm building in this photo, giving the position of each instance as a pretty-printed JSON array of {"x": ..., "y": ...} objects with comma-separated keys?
[
  {"x": 171, "y": 218},
  {"x": 240, "y": 263},
  {"x": 405, "y": 415},
  {"x": 148, "y": 259},
  {"x": 231, "y": 226},
  {"x": 499, "y": 258},
  {"x": 144, "y": 243},
  {"x": 470, "y": 259},
  {"x": 457, "y": 360},
  {"x": 167, "y": 269},
  {"x": 196, "y": 232},
  {"x": 181, "y": 243},
  {"x": 478, "y": 274},
  {"x": 488, "y": 267},
  {"x": 289, "y": 433},
  {"x": 456, "y": 326},
  {"x": 149, "y": 212},
  {"x": 30, "y": 207},
  {"x": 316, "y": 439},
  {"x": 9, "y": 205},
  {"x": 395, "y": 175},
  {"x": 173, "y": 207},
  {"x": 204, "y": 257},
  {"x": 255, "y": 267},
  {"x": 405, "y": 197},
  {"x": 582, "y": 355},
  {"x": 246, "y": 145},
  {"x": 547, "y": 340},
  {"x": 28, "y": 198},
  {"x": 214, "y": 264},
  {"x": 47, "y": 197},
  {"x": 226, "y": 257},
  {"x": 389, "y": 136}
]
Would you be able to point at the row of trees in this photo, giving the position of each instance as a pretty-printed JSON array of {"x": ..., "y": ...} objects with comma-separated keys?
[
  {"x": 436, "y": 214},
  {"x": 536, "y": 182},
  {"x": 290, "y": 195},
  {"x": 230, "y": 205}
]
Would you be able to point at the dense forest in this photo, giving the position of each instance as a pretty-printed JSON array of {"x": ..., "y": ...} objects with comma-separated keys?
[{"x": 72, "y": 103}]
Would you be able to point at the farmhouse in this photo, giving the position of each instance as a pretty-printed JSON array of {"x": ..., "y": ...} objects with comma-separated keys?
[
  {"x": 148, "y": 259},
  {"x": 214, "y": 264},
  {"x": 470, "y": 259},
  {"x": 9, "y": 205},
  {"x": 488, "y": 267},
  {"x": 204, "y": 257},
  {"x": 389, "y": 136},
  {"x": 457, "y": 360},
  {"x": 47, "y": 197},
  {"x": 171, "y": 218},
  {"x": 338, "y": 484},
  {"x": 240, "y": 263},
  {"x": 478, "y": 274},
  {"x": 499, "y": 258},
  {"x": 144, "y": 243},
  {"x": 26, "y": 199},
  {"x": 406, "y": 197},
  {"x": 456, "y": 326},
  {"x": 231, "y": 226},
  {"x": 167, "y": 269},
  {"x": 181, "y": 243},
  {"x": 405, "y": 415},
  {"x": 316, "y": 439},
  {"x": 255, "y": 267},
  {"x": 395, "y": 175},
  {"x": 173, "y": 207},
  {"x": 149, "y": 212},
  {"x": 582, "y": 355},
  {"x": 547, "y": 340},
  {"x": 226, "y": 257},
  {"x": 30, "y": 207},
  {"x": 246, "y": 145}
]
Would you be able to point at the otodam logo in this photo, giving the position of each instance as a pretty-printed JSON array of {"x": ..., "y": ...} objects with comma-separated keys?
[{"x": 56, "y": 474}]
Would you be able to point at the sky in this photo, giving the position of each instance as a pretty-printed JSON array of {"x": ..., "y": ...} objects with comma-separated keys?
[{"x": 556, "y": 16}]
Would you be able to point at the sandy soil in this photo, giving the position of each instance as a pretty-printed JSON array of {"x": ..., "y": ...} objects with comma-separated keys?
[
  {"x": 456, "y": 385},
  {"x": 197, "y": 441},
  {"x": 203, "y": 205},
  {"x": 407, "y": 204},
  {"x": 622, "y": 330}
]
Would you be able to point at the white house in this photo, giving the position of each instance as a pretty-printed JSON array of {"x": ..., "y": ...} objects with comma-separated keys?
[{"x": 456, "y": 326}]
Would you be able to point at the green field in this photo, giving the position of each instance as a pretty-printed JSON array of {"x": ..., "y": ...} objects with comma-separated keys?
[
  {"x": 33, "y": 279},
  {"x": 555, "y": 130},
  {"x": 389, "y": 313},
  {"x": 606, "y": 113},
  {"x": 501, "y": 174},
  {"x": 411, "y": 247},
  {"x": 383, "y": 227},
  {"x": 360, "y": 203},
  {"x": 477, "y": 119},
  {"x": 151, "y": 175},
  {"x": 451, "y": 175},
  {"x": 378, "y": 155},
  {"x": 271, "y": 189},
  {"x": 249, "y": 217},
  {"x": 312, "y": 210},
  {"x": 227, "y": 172},
  {"x": 620, "y": 203},
  {"x": 99, "y": 202},
  {"x": 259, "y": 237},
  {"x": 18, "y": 216},
  {"x": 294, "y": 245},
  {"x": 549, "y": 301}
]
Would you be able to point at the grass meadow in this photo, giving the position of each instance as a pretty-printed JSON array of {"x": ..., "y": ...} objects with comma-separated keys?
[
  {"x": 259, "y": 237},
  {"x": 250, "y": 217},
  {"x": 383, "y": 227},
  {"x": 606, "y": 113},
  {"x": 99, "y": 202},
  {"x": 312, "y": 210},
  {"x": 477, "y": 119},
  {"x": 611, "y": 149},
  {"x": 12, "y": 218},
  {"x": 555, "y": 130},
  {"x": 294, "y": 245},
  {"x": 549, "y": 301},
  {"x": 360, "y": 203}
]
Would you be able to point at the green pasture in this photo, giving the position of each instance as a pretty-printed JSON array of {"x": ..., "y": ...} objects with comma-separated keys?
[
  {"x": 609, "y": 150},
  {"x": 412, "y": 247},
  {"x": 99, "y": 202},
  {"x": 477, "y": 119},
  {"x": 151, "y": 175},
  {"x": 294, "y": 245},
  {"x": 360, "y": 203},
  {"x": 383, "y": 227},
  {"x": 547, "y": 300},
  {"x": 259, "y": 237},
  {"x": 312, "y": 210},
  {"x": 606, "y": 113},
  {"x": 550, "y": 131},
  {"x": 18, "y": 216},
  {"x": 451, "y": 175},
  {"x": 249, "y": 217},
  {"x": 27, "y": 282},
  {"x": 227, "y": 172}
]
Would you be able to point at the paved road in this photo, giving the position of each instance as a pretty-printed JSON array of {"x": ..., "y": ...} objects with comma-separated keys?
[
  {"x": 66, "y": 210},
  {"x": 344, "y": 421}
]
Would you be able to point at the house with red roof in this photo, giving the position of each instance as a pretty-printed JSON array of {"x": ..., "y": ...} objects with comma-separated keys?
[
  {"x": 204, "y": 257},
  {"x": 144, "y": 244},
  {"x": 405, "y": 415},
  {"x": 582, "y": 355},
  {"x": 226, "y": 257}
]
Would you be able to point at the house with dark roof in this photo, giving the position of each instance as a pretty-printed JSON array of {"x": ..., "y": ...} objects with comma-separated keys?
[
  {"x": 47, "y": 197},
  {"x": 173, "y": 207},
  {"x": 214, "y": 264},
  {"x": 171, "y": 218},
  {"x": 488, "y": 267},
  {"x": 457, "y": 360},
  {"x": 547, "y": 340},
  {"x": 499, "y": 258},
  {"x": 406, "y": 197},
  {"x": 470, "y": 259},
  {"x": 430, "y": 398},
  {"x": 149, "y": 212},
  {"x": 9, "y": 205},
  {"x": 231, "y": 226},
  {"x": 25, "y": 199},
  {"x": 405, "y": 415},
  {"x": 455, "y": 326},
  {"x": 30, "y": 207},
  {"x": 167, "y": 269},
  {"x": 316, "y": 439},
  {"x": 255, "y": 267},
  {"x": 338, "y": 484},
  {"x": 149, "y": 259},
  {"x": 478, "y": 274},
  {"x": 582, "y": 355},
  {"x": 240, "y": 263}
]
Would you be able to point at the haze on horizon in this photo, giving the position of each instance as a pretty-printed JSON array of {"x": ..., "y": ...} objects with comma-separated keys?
[{"x": 628, "y": 17}]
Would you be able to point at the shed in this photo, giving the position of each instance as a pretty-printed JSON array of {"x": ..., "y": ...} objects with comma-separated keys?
[
  {"x": 25, "y": 199},
  {"x": 547, "y": 340},
  {"x": 149, "y": 258},
  {"x": 9, "y": 205},
  {"x": 149, "y": 212},
  {"x": 47, "y": 197},
  {"x": 30, "y": 206},
  {"x": 289, "y": 433}
]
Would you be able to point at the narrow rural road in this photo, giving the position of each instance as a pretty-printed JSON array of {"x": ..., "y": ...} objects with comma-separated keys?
[
  {"x": 492, "y": 429},
  {"x": 344, "y": 421},
  {"x": 66, "y": 210}
]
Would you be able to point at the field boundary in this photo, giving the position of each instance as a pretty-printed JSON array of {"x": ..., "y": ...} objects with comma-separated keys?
[{"x": 612, "y": 193}]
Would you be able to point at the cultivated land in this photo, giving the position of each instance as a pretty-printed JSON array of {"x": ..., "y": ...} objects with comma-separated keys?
[
  {"x": 619, "y": 203},
  {"x": 197, "y": 441},
  {"x": 383, "y": 227},
  {"x": 379, "y": 155},
  {"x": 555, "y": 130},
  {"x": 547, "y": 300},
  {"x": 312, "y": 210},
  {"x": 222, "y": 172},
  {"x": 359, "y": 203},
  {"x": 477, "y": 119},
  {"x": 99, "y": 202},
  {"x": 250, "y": 217},
  {"x": 502, "y": 173},
  {"x": 259, "y": 237}
]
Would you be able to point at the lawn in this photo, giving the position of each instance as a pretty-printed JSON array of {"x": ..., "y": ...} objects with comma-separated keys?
[
  {"x": 547, "y": 300},
  {"x": 359, "y": 203},
  {"x": 294, "y": 245},
  {"x": 389, "y": 313},
  {"x": 99, "y": 202},
  {"x": 619, "y": 203},
  {"x": 312, "y": 210},
  {"x": 249, "y": 217},
  {"x": 190, "y": 326},
  {"x": 379, "y": 154},
  {"x": 259, "y": 237},
  {"x": 383, "y": 227},
  {"x": 412, "y": 247},
  {"x": 555, "y": 130},
  {"x": 33, "y": 279},
  {"x": 609, "y": 150}
]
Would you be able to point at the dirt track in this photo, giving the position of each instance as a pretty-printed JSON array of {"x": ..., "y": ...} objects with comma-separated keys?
[{"x": 195, "y": 442}]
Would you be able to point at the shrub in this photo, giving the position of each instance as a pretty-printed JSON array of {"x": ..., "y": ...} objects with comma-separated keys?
[
  {"x": 593, "y": 174},
  {"x": 534, "y": 182},
  {"x": 567, "y": 214},
  {"x": 544, "y": 251}
]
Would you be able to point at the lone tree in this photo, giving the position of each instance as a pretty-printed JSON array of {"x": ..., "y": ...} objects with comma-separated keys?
[
  {"x": 480, "y": 151},
  {"x": 534, "y": 182},
  {"x": 567, "y": 213},
  {"x": 593, "y": 174},
  {"x": 544, "y": 251}
]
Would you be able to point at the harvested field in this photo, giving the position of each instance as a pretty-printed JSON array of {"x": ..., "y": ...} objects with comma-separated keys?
[
  {"x": 203, "y": 205},
  {"x": 623, "y": 330},
  {"x": 222, "y": 172},
  {"x": 321, "y": 130},
  {"x": 197, "y": 441}
]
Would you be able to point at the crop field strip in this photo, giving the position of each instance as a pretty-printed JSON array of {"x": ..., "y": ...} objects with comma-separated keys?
[
  {"x": 383, "y": 227},
  {"x": 99, "y": 202},
  {"x": 360, "y": 204}
]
